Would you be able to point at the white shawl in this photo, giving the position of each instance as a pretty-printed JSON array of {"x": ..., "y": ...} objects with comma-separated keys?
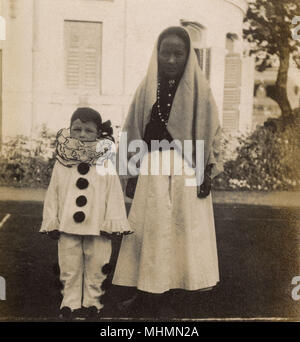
[{"x": 193, "y": 115}]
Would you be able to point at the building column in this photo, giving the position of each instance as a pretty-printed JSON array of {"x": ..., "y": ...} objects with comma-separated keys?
[{"x": 35, "y": 46}]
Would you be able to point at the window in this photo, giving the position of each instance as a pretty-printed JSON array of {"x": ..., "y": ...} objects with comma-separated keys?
[
  {"x": 197, "y": 34},
  {"x": 83, "y": 55}
]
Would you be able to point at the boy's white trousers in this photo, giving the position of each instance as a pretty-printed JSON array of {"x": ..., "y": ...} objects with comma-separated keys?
[{"x": 81, "y": 259}]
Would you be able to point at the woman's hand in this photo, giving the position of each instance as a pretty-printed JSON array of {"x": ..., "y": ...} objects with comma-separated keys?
[
  {"x": 130, "y": 188},
  {"x": 205, "y": 187},
  {"x": 156, "y": 131},
  {"x": 54, "y": 234}
]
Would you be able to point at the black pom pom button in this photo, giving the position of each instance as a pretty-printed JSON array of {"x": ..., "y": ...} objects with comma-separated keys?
[
  {"x": 82, "y": 183},
  {"x": 79, "y": 216},
  {"x": 83, "y": 168},
  {"x": 105, "y": 284},
  {"x": 81, "y": 201},
  {"x": 106, "y": 269}
]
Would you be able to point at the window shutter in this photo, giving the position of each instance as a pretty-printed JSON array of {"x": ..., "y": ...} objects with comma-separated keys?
[
  {"x": 232, "y": 96},
  {"x": 73, "y": 57},
  {"x": 83, "y": 54},
  {"x": 92, "y": 51}
]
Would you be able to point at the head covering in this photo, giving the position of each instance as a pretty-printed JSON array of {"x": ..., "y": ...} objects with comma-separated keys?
[
  {"x": 193, "y": 115},
  {"x": 177, "y": 31},
  {"x": 180, "y": 33}
]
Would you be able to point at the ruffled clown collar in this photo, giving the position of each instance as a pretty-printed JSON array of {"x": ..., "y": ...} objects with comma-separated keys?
[{"x": 71, "y": 151}]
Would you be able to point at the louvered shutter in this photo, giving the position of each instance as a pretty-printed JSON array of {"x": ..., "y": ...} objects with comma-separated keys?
[
  {"x": 232, "y": 92},
  {"x": 83, "y": 55},
  {"x": 72, "y": 55}
]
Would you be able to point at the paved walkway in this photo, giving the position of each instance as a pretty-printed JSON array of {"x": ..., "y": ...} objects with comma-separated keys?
[{"x": 274, "y": 198}]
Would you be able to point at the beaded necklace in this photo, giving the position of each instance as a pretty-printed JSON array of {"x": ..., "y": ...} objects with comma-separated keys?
[{"x": 164, "y": 117}]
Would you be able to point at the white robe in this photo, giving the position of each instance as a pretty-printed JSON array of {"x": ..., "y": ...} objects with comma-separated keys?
[{"x": 174, "y": 244}]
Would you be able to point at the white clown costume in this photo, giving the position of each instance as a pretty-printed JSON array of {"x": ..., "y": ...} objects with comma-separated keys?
[{"x": 83, "y": 201}]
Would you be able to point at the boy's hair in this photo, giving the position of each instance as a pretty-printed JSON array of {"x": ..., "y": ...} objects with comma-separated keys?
[{"x": 86, "y": 114}]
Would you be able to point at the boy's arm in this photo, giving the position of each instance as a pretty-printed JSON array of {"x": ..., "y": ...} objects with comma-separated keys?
[
  {"x": 115, "y": 221},
  {"x": 50, "y": 211}
]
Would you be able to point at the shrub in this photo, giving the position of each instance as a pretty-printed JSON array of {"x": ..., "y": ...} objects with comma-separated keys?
[
  {"x": 27, "y": 161},
  {"x": 267, "y": 159}
]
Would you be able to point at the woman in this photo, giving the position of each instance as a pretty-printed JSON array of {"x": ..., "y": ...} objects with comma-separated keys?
[{"x": 174, "y": 245}]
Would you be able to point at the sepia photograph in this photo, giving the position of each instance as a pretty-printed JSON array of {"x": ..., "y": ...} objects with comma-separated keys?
[{"x": 149, "y": 162}]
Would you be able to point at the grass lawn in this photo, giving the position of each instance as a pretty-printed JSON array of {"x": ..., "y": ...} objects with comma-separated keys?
[{"x": 258, "y": 247}]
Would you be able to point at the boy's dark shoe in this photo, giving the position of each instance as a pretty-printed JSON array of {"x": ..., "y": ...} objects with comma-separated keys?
[
  {"x": 79, "y": 314},
  {"x": 91, "y": 313},
  {"x": 65, "y": 313}
]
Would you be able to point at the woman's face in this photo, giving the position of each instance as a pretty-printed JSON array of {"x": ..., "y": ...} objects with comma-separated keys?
[{"x": 172, "y": 56}]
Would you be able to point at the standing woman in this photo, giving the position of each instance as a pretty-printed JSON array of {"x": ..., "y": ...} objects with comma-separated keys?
[{"x": 174, "y": 245}]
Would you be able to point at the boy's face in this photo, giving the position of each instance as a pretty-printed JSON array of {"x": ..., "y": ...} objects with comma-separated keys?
[{"x": 84, "y": 131}]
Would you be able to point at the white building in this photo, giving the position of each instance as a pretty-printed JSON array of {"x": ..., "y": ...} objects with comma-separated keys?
[{"x": 61, "y": 54}]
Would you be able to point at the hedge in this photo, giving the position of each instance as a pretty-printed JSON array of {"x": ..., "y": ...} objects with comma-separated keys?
[{"x": 267, "y": 159}]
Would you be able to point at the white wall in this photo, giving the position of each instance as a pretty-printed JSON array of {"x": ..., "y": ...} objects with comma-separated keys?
[
  {"x": 17, "y": 69},
  {"x": 36, "y": 95},
  {"x": 51, "y": 93}
]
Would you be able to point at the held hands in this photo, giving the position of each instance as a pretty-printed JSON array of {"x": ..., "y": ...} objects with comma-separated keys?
[
  {"x": 54, "y": 234},
  {"x": 156, "y": 131},
  {"x": 130, "y": 187},
  {"x": 205, "y": 188}
]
